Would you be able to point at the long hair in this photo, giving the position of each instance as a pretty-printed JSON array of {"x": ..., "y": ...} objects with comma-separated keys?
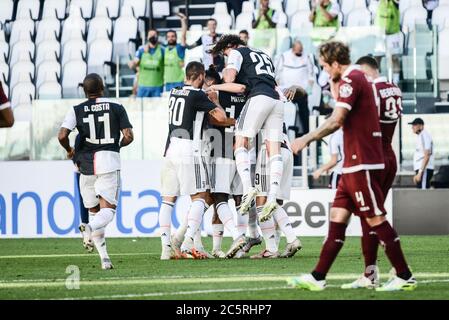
[
  {"x": 213, "y": 74},
  {"x": 226, "y": 41}
]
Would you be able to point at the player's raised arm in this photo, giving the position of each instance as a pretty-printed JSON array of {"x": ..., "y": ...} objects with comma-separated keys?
[{"x": 228, "y": 87}]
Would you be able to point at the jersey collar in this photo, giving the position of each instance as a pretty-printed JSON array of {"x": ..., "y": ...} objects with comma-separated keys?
[
  {"x": 350, "y": 69},
  {"x": 380, "y": 79}
]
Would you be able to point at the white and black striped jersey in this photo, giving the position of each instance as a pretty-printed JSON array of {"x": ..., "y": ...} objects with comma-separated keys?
[
  {"x": 256, "y": 69},
  {"x": 99, "y": 123}
]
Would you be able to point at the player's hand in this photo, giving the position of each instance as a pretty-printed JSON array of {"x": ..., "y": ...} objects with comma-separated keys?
[
  {"x": 70, "y": 154},
  {"x": 299, "y": 144},
  {"x": 417, "y": 178},
  {"x": 182, "y": 16},
  {"x": 290, "y": 93},
  {"x": 317, "y": 173}
]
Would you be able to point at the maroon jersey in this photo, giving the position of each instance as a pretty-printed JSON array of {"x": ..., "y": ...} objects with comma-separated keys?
[
  {"x": 362, "y": 140},
  {"x": 389, "y": 103},
  {"x": 4, "y": 103}
]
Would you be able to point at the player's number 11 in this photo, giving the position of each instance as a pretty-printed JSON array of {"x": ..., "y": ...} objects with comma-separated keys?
[{"x": 92, "y": 132}]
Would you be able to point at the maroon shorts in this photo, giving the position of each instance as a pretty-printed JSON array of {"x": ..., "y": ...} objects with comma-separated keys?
[
  {"x": 389, "y": 173},
  {"x": 361, "y": 193}
]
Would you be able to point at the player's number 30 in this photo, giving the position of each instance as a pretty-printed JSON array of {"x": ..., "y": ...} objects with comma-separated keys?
[{"x": 176, "y": 110}]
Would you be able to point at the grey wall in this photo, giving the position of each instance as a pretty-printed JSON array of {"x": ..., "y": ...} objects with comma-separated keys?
[{"x": 421, "y": 212}]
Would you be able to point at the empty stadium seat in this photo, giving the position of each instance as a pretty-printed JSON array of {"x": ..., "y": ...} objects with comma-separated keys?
[
  {"x": 22, "y": 49},
  {"x": 74, "y": 27},
  {"x": 413, "y": 16},
  {"x": 21, "y": 28},
  {"x": 48, "y": 71},
  {"x": 220, "y": 8},
  {"x": 25, "y": 7},
  {"x": 22, "y": 71},
  {"x": 244, "y": 21},
  {"x": 73, "y": 74},
  {"x": 139, "y": 7},
  {"x": 4, "y": 51},
  {"x": 161, "y": 9},
  {"x": 111, "y": 6},
  {"x": 49, "y": 90},
  {"x": 100, "y": 51},
  {"x": 346, "y": 6},
  {"x": 86, "y": 7},
  {"x": 295, "y": 5},
  {"x": 440, "y": 16},
  {"x": 7, "y": 11},
  {"x": 21, "y": 93},
  {"x": 99, "y": 27},
  {"x": 358, "y": 17},
  {"x": 48, "y": 50},
  {"x": 282, "y": 19},
  {"x": 224, "y": 19},
  {"x": 48, "y": 29},
  {"x": 125, "y": 29},
  {"x": 300, "y": 21},
  {"x": 248, "y": 6},
  {"x": 75, "y": 49},
  {"x": 443, "y": 55},
  {"x": 4, "y": 72},
  {"x": 404, "y": 5},
  {"x": 54, "y": 9}
]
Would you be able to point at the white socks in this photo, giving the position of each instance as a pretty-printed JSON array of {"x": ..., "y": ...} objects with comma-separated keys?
[
  {"x": 195, "y": 217},
  {"x": 197, "y": 243},
  {"x": 252, "y": 223},
  {"x": 283, "y": 221},
  {"x": 102, "y": 218},
  {"x": 226, "y": 217},
  {"x": 242, "y": 222},
  {"x": 276, "y": 170},
  {"x": 165, "y": 221},
  {"x": 217, "y": 237},
  {"x": 268, "y": 230},
  {"x": 243, "y": 164},
  {"x": 100, "y": 243}
]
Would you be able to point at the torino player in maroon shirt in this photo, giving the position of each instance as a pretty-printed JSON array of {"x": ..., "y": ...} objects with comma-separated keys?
[
  {"x": 389, "y": 103},
  {"x": 360, "y": 188},
  {"x": 6, "y": 115}
]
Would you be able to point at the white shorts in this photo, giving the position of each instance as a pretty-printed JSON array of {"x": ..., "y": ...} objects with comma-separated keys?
[
  {"x": 186, "y": 175},
  {"x": 394, "y": 43},
  {"x": 261, "y": 112},
  {"x": 224, "y": 177},
  {"x": 105, "y": 185},
  {"x": 262, "y": 179}
]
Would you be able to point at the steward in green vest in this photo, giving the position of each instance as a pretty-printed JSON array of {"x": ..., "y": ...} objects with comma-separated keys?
[
  {"x": 388, "y": 16},
  {"x": 174, "y": 57},
  {"x": 267, "y": 18},
  {"x": 150, "y": 61},
  {"x": 325, "y": 14}
]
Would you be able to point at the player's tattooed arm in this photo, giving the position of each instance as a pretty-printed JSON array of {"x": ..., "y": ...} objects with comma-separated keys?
[
  {"x": 63, "y": 137},
  {"x": 228, "y": 87},
  {"x": 128, "y": 137},
  {"x": 227, "y": 123},
  {"x": 218, "y": 115}
]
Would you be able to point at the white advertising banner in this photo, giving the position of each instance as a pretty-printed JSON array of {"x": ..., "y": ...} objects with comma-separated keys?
[{"x": 39, "y": 199}]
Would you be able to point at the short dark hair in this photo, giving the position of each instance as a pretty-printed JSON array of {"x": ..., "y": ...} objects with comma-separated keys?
[
  {"x": 193, "y": 70},
  {"x": 213, "y": 74},
  {"x": 244, "y": 31},
  {"x": 226, "y": 41},
  {"x": 212, "y": 19},
  {"x": 335, "y": 51},
  {"x": 171, "y": 30},
  {"x": 153, "y": 29},
  {"x": 93, "y": 84},
  {"x": 368, "y": 60}
]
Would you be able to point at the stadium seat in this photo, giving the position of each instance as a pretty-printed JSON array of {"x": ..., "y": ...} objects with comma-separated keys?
[
  {"x": 4, "y": 72},
  {"x": 300, "y": 21},
  {"x": 54, "y": 9},
  {"x": 49, "y": 90},
  {"x": 48, "y": 50},
  {"x": 110, "y": 6},
  {"x": 346, "y": 6},
  {"x": 25, "y": 7},
  {"x": 85, "y": 7},
  {"x": 224, "y": 22},
  {"x": 282, "y": 19},
  {"x": 443, "y": 55},
  {"x": 359, "y": 17},
  {"x": 99, "y": 27},
  {"x": 100, "y": 51},
  {"x": 48, "y": 71},
  {"x": 221, "y": 8},
  {"x": 47, "y": 29},
  {"x": 75, "y": 49},
  {"x": 22, "y": 49},
  {"x": 139, "y": 7},
  {"x": 7, "y": 11},
  {"x": 21, "y": 28},
  {"x": 21, "y": 93},
  {"x": 4, "y": 51},
  {"x": 244, "y": 21},
  {"x": 296, "y": 5},
  {"x": 21, "y": 71},
  {"x": 406, "y": 4},
  {"x": 248, "y": 7},
  {"x": 440, "y": 16},
  {"x": 125, "y": 29},
  {"x": 73, "y": 74},
  {"x": 161, "y": 9},
  {"x": 413, "y": 16},
  {"x": 74, "y": 27}
]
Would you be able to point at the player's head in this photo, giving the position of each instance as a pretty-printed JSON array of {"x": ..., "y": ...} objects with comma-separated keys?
[
  {"x": 93, "y": 86},
  {"x": 212, "y": 25},
  {"x": 212, "y": 77},
  {"x": 195, "y": 74},
  {"x": 226, "y": 43},
  {"x": 152, "y": 36},
  {"x": 172, "y": 38},
  {"x": 244, "y": 36},
  {"x": 369, "y": 66},
  {"x": 297, "y": 48},
  {"x": 417, "y": 125},
  {"x": 334, "y": 56}
]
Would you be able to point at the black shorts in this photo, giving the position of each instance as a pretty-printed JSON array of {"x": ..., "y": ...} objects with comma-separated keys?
[{"x": 425, "y": 181}]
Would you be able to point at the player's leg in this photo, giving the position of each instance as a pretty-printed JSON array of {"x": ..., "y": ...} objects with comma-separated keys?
[
  {"x": 84, "y": 212},
  {"x": 283, "y": 221},
  {"x": 217, "y": 236},
  {"x": 90, "y": 201},
  {"x": 194, "y": 218},
  {"x": 165, "y": 212},
  {"x": 268, "y": 229}
]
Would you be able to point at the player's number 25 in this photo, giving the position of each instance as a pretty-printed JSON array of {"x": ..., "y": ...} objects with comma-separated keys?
[
  {"x": 92, "y": 131},
  {"x": 176, "y": 110},
  {"x": 264, "y": 64}
]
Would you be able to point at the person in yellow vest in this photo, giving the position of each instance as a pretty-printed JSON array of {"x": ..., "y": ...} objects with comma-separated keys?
[
  {"x": 324, "y": 13},
  {"x": 150, "y": 60},
  {"x": 267, "y": 17},
  {"x": 174, "y": 57}
]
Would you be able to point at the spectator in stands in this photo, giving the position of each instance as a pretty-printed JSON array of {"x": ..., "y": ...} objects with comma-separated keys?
[
  {"x": 388, "y": 18},
  {"x": 294, "y": 70},
  {"x": 174, "y": 57},
  {"x": 150, "y": 60},
  {"x": 235, "y": 5},
  {"x": 324, "y": 13},
  {"x": 208, "y": 41},
  {"x": 267, "y": 18},
  {"x": 6, "y": 114},
  {"x": 423, "y": 157},
  {"x": 244, "y": 36}
]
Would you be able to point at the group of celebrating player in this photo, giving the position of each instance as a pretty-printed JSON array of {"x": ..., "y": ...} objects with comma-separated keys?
[{"x": 227, "y": 140}]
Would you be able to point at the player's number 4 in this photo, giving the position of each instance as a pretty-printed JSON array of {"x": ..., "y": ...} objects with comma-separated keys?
[{"x": 92, "y": 129}]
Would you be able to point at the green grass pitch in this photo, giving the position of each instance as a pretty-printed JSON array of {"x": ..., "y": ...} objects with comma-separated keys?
[{"x": 36, "y": 269}]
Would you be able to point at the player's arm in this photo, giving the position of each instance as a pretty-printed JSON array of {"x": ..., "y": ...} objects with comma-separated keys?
[
  {"x": 183, "y": 28},
  {"x": 134, "y": 63},
  {"x": 195, "y": 44},
  {"x": 6, "y": 114},
  {"x": 125, "y": 127},
  {"x": 128, "y": 137},
  {"x": 63, "y": 135},
  {"x": 233, "y": 66},
  {"x": 326, "y": 167},
  {"x": 228, "y": 87}
]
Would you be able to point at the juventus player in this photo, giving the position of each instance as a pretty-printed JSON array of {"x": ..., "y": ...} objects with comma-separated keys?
[
  {"x": 263, "y": 110},
  {"x": 99, "y": 122},
  {"x": 389, "y": 103},
  {"x": 360, "y": 188}
]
